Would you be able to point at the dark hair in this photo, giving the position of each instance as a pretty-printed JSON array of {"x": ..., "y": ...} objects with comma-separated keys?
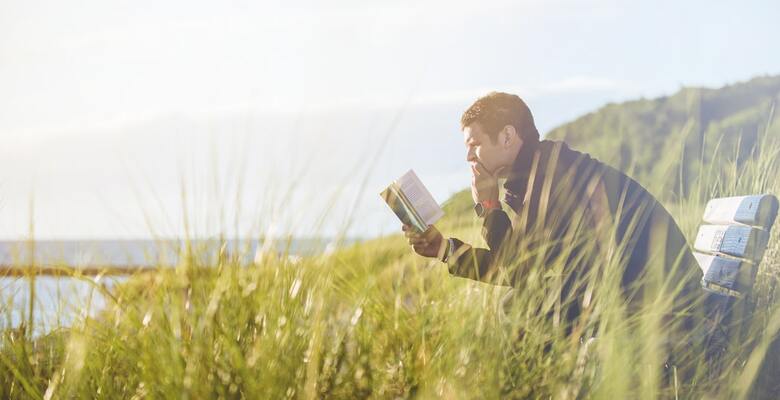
[{"x": 496, "y": 110}]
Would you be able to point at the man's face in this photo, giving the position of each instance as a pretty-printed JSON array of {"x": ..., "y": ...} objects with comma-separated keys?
[{"x": 480, "y": 148}]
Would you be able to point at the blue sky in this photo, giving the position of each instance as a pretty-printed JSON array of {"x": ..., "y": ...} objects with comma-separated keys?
[{"x": 107, "y": 107}]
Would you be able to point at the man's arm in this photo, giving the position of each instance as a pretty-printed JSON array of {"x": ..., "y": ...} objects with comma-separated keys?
[
  {"x": 478, "y": 263},
  {"x": 462, "y": 259}
]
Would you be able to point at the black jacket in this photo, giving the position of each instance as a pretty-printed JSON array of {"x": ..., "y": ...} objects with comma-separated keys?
[{"x": 570, "y": 211}]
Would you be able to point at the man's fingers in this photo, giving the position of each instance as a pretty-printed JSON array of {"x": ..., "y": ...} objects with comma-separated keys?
[
  {"x": 430, "y": 234},
  {"x": 418, "y": 241},
  {"x": 412, "y": 234},
  {"x": 421, "y": 241},
  {"x": 481, "y": 170},
  {"x": 421, "y": 248}
]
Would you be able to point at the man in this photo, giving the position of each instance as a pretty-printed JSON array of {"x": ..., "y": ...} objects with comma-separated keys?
[{"x": 570, "y": 214}]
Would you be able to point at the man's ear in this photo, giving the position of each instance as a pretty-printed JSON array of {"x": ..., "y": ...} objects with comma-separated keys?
[{"x": 508, "y": 135}]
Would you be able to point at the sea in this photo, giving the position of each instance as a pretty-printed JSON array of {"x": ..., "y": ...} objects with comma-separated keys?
[{"x": 59, "y": 301}]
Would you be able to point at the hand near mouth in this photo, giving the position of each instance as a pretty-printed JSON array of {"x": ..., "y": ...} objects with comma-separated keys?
[{"x": 484, "y": 185}]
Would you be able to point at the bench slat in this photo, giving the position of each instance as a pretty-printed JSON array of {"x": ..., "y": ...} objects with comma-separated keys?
[
  {"x": 756, "y": 210},
  {"x": 734, "y": 240},
  {"x": 721, "y": 273}
]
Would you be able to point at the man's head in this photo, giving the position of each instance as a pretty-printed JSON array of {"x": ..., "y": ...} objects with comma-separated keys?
[{"x": 494, "y": 129}]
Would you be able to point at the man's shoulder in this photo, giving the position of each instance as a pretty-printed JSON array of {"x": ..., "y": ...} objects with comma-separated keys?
[
  {"x": 577, "y": 158},
  {"x": 586, "y": 165},
  {"x": 561, "y": 153}
]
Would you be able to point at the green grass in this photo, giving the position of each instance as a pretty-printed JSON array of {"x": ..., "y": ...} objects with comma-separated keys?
[{"x": 373, "y": 320}]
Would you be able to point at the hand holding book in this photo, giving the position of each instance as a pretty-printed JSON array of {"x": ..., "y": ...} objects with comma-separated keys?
[
  {"x": 412, "y": 203},
  {"x": 430, "y": 243}
]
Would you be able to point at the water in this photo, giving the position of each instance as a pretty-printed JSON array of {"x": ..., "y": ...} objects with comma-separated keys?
[{"x": 60, "y": 301}]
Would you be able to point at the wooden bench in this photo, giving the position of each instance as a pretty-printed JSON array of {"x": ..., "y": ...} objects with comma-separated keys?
[
  {"x": 731, "y": 242},
  {"x": 729, "y": 247}
]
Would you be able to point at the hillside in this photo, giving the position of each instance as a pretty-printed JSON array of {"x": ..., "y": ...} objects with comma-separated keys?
[{"x": 639, "y": 136}]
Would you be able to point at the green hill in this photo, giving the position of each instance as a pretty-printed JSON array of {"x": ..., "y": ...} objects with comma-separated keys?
[{"x": 708, "y": 124}]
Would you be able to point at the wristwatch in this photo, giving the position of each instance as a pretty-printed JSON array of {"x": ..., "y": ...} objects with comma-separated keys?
[{"x": 484, "y": 206}]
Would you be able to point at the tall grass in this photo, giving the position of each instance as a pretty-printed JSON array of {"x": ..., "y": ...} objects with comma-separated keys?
[{"x": 373, "y": 320}]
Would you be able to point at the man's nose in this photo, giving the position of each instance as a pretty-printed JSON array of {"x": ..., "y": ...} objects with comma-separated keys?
[{"x": 471, "y": 156}]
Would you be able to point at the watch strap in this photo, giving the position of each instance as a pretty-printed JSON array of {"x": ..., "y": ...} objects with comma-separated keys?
[
  {"x": 448, "y": 250},
  {"x": 484, "y": 206}
]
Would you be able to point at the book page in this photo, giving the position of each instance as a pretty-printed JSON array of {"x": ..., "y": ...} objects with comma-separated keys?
[
  {"x": 402, "y": 208},
  {"x": 421, "y": 199}
]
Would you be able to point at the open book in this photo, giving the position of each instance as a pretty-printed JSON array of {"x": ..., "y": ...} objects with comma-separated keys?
[{"x": 412, "y": 202}]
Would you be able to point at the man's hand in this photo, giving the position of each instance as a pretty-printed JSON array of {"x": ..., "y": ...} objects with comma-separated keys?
[
  {"x": 484, "y": 185},
  {"x": 428, "y": 244}
]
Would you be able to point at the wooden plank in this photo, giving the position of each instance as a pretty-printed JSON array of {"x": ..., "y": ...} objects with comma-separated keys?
[
  {"x": 734, "y": 240},
  {"x": 61, "y": 271},
  {"x": 756, "y": 210},
  {"x": 723, "y": 275}
]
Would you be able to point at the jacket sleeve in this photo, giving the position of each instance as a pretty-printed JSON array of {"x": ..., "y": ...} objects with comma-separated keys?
[{"x": 481, "y": 264}]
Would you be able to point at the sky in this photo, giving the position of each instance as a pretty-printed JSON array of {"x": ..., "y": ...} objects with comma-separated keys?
[{"x": 128, "y": 119}]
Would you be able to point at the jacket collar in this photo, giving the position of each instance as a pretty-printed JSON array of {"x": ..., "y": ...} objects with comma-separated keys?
[{"x": 517, "y": 181}]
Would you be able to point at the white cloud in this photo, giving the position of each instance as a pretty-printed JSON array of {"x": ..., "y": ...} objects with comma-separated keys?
[{"x": 579, "y": 84}]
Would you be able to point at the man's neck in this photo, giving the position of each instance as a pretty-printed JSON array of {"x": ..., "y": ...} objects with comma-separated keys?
[
  {"x": 523, "y": 159},
  {"x": 505, "y": 171}
]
